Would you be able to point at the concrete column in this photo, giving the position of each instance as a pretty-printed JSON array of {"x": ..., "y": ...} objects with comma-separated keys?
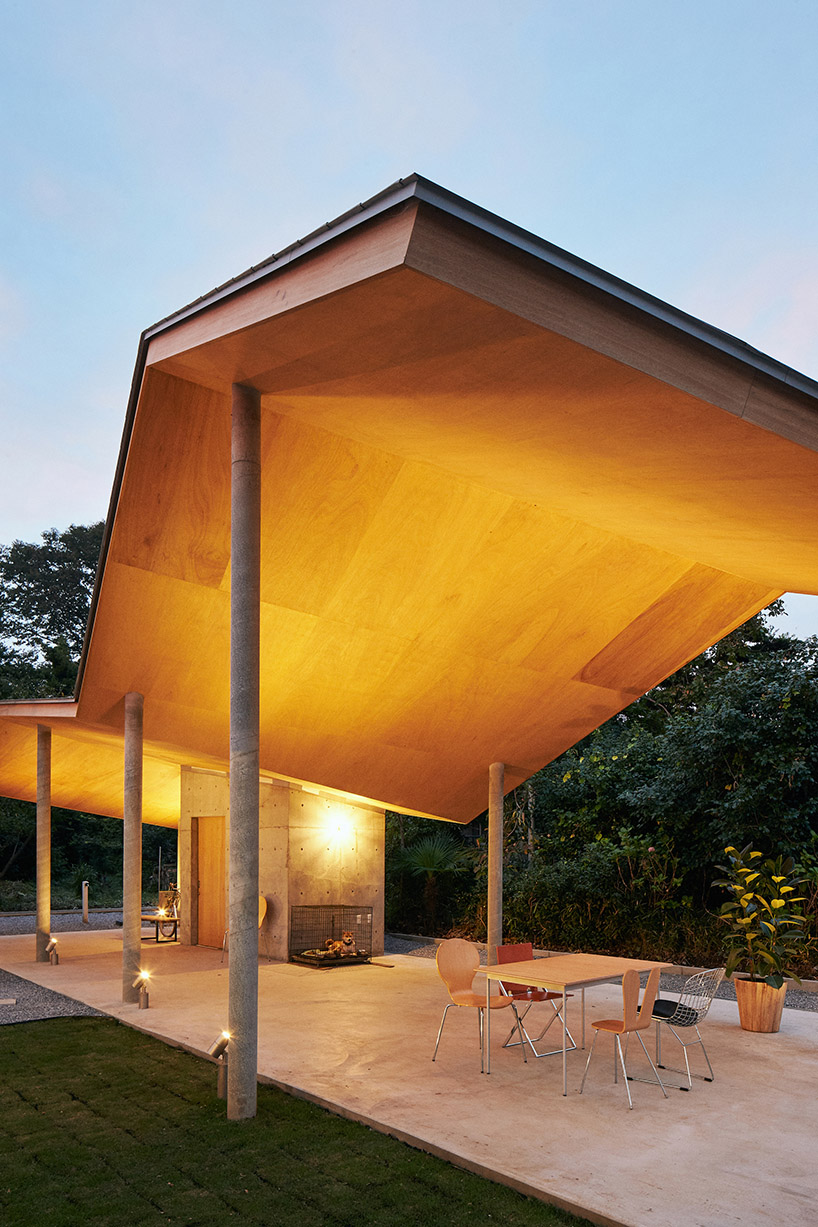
[
  {"x": 495, "y": 866},
  {"x": 43, "y": 842},
  {"x": 245, "y": 596},
  {"x": 132, "y": 849}
]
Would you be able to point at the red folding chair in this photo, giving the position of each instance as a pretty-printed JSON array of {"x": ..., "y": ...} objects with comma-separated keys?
[{"x": 522, "y": 993}]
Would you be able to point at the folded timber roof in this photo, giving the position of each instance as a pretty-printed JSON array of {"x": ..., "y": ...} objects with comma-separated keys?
[{"x": 503, "y": 494}]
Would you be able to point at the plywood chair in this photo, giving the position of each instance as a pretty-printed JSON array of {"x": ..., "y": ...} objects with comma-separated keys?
[
  {"x": 524, "y": 994},
  {"x": 635, "y": 1018},
  {"x": 457, "y": 961},
  {"x": 262, "y": 912}
]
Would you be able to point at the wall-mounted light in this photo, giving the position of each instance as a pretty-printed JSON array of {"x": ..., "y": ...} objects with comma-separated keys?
[
  {"x": 141, "y": 982},
  {"x": 51, "y": 951},
  {"x": 218, "y": 1050}
]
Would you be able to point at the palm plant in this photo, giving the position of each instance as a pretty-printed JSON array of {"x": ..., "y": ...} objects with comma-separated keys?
[{"x": 429, "y": 858}]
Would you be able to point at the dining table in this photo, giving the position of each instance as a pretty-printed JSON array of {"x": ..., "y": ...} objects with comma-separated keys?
[{"x": 561, "y": 973}]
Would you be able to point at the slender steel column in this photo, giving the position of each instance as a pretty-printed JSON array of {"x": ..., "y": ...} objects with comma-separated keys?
[
  {"x": 132, "y": 848},
  {"x": 495, "y": 866},
  {"x": 245, "y": 596},
  {"x": 43, "y": 842}
]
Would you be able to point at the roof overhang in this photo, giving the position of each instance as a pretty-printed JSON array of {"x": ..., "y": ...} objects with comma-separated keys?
[{"x": 503, "y": 494}]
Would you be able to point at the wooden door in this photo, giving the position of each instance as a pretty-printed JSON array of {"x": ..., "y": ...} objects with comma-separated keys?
[{"x": 212, "y": 922}]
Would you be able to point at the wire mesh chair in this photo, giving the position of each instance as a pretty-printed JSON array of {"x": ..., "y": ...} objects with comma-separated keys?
[
  {"x": 694, "y": 1001},
  {"x": 526, "y": 996}
]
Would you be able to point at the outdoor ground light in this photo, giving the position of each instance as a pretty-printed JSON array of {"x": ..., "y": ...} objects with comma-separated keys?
[
  {"x": 218, "y": 1050},
  {"x": 219, "y": 1046},
  {"x": 51, "y": 951},
  {"x": 141, "y": 982}
]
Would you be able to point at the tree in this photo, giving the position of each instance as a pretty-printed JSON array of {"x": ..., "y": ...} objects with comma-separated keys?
[
  {"x": 45, "y": 596},
  {"x": 430, "y": 858}
]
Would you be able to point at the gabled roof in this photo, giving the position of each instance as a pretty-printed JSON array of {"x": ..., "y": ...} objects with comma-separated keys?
[{"x": 503, "y": 494}]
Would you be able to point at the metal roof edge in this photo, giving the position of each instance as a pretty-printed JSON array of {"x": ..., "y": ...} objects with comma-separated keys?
[
  {"x": 415, "y": 186},
  {"x": 624, "y": 291},
  {"x": 113, "y": 502}
]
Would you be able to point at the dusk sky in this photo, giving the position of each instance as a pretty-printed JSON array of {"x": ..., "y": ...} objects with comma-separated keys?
[{"x": 151, "y": 151}]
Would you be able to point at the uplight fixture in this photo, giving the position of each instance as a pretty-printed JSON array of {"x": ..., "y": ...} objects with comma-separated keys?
[
  {"x": 218, "y": 1050},
  {"x": 219, "y": 1046},
  {"x": 51, "y": 951},
  {"x": 141, "y": 982}
]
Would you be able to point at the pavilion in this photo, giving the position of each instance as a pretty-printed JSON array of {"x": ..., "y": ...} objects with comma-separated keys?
[{"x": 400, "y": 514}]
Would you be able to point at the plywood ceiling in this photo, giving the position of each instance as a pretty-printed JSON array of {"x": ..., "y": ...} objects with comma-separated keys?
[{"x": 497, "y": 506}]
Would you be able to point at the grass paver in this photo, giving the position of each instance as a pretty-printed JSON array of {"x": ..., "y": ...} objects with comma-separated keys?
[{"x": 106, "y": 1127}]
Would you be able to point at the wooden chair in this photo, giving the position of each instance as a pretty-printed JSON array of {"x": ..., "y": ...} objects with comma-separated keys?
[
  {"x": 262, "y": 912},
  {"x": 635, "y": 1018},
  {"x": 524, "y": 994},
  {"x": 457, "y": 961}
]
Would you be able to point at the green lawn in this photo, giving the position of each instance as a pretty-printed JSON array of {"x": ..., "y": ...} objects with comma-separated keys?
[{"x": 101, "y": 1125}]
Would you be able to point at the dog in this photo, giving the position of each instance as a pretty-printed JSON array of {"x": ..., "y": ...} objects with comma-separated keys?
[{"x": 345, "y": 946}]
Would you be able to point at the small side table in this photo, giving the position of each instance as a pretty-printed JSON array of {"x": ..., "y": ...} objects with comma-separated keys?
[{"x": 164, "y": 923}]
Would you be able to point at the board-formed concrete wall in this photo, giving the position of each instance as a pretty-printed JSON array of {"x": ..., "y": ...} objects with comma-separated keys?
[{"x": 313, "y": 849}]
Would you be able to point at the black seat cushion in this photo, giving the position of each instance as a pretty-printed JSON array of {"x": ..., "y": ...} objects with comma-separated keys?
[{"x": 682, "y": 1015}]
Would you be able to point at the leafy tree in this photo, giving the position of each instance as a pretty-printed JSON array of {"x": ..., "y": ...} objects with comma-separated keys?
[{"x": 45, "y": 596}]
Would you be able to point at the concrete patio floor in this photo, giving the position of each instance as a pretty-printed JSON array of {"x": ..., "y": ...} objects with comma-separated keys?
[{"x": 359, "y": 1040}]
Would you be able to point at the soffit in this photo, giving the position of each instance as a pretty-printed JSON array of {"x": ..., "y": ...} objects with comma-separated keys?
[{"x": 496, "y": 507}]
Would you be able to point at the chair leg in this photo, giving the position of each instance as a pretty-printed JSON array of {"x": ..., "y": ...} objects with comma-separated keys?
[
  {"x": 480, "y": 1028},
  {"x": 521, "y": 1032},
  {"x": 624, "y": 1070},
  {"x": 685, "y": 1045},
  {"x": 587, "y": 1063},
  {"x": 653, "y": 1067},
  {"x": 440, "y": 1030},
  {"x": 224, "y": 942},
  {"x": 520, "y": 1019},
  {"x": 552, "y": 1051}
]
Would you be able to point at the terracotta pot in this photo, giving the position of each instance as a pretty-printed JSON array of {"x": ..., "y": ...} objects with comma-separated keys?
[{"x": 759, "y": 1005}]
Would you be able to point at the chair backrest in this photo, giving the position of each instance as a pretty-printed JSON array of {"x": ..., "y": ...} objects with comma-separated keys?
[
  {"x": 698, "y": 993},
  {"x": 262, "y": 910},
  {"x": 636, "y": 1017},
  {"x": 516, "y": 952},
  {"x": 457, "y": 961}
]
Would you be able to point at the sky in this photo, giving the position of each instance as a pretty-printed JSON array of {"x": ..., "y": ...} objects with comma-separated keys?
[{"x": 151, "y": 151}]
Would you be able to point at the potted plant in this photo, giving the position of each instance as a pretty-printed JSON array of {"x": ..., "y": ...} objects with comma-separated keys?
[{"x": 766, "y": 932}]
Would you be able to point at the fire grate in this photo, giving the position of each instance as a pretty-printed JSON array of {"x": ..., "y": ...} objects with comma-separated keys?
[{"x": 318, "y": 935}]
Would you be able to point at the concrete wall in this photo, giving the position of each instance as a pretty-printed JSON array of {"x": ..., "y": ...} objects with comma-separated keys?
[{"x": 313, "y": 849}]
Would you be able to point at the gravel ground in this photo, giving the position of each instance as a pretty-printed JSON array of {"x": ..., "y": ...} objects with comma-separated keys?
[
  {"x": 669, "y": 985},
  {"x": 30, "y": 1002},
  {"x": 61, "y": 922},
  {"x": 22, "y": 1001}
]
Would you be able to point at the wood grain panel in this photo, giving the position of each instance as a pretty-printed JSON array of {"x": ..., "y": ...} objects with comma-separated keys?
[
  {"x": 351, "y": 258},
  {"x": 680, "y": 621},
  {"x": 455, "y": 252},
  {"x": 174, "y": 518}
]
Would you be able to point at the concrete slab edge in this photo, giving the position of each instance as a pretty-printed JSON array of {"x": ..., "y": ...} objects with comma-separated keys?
[{"x": 400, "y": 1135}]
